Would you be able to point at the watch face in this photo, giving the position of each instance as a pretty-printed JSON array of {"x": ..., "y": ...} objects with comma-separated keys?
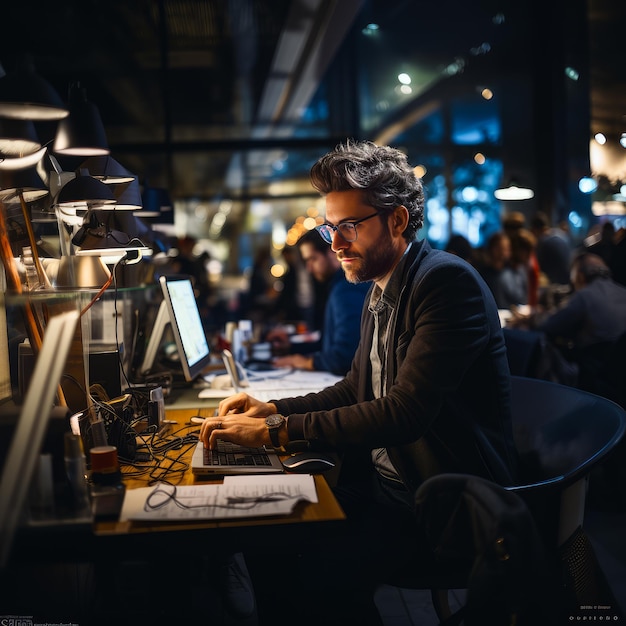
[{"x": 274, "y": 420}]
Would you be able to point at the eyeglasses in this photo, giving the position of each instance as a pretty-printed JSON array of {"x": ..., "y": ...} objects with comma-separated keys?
[{"x": 347, "y": 230}]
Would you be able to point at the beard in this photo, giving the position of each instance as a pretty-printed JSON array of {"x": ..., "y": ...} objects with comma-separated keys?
[{"x": 373, "y": 264}]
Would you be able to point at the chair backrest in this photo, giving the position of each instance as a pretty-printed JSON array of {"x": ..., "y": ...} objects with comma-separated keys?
[
  {"x": 603, "y": 369},
  {"x": 531, "y": 354},
  {"x": 523, "y": 349},
  {"x": 561, "y": 432}
]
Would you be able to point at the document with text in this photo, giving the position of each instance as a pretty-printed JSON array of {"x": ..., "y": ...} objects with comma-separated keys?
[{"x": 237, "y": 497}]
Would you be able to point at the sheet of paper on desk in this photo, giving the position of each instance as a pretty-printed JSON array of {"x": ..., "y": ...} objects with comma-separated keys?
[{"x": 237, "y": 497}]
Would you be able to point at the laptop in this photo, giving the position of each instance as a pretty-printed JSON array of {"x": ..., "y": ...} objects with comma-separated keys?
[
  {"x": 232, "y": 459},
  {"x": 273, "y": 385}
]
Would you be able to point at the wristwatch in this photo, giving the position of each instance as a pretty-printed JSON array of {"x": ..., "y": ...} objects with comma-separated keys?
[{"x": 273, "y": 423}]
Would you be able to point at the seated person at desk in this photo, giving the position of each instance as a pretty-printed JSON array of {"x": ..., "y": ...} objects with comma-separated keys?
[
  {"x": 428, "y": 392},
  {"x": 508, "y": 287},
  {"x": 591, "y": 320},
  {"x": 342, "y": 312}
]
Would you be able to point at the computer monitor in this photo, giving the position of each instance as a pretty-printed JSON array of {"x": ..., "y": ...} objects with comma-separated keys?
[{"x": 179, "y": 311}]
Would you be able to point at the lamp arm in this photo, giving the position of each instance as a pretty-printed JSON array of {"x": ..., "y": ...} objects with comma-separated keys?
[
  {"x": 43, "y": 277},
  {"x": 31, "y": 321}
]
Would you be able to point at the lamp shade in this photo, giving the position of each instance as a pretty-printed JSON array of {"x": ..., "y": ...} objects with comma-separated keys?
[
  {"x": 25, "y": 95},
  {"x": 157, "y": 205},
  {"x": 77, "y": 271},
  {"x": 84, "y": 191},
  {"x": 26, "y": 182},
  {"x": 81, "y": 133},
  {"x": 128, "y": 196},
  {"x": 18, "y": 138},
  {"x": 20, "y": 163},
  {"x": 108, "y": 170}
]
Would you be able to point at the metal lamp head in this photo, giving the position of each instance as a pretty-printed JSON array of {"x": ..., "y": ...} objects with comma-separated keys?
[
  {"x": 25, "y": 95},
  {"x": 18, "y": 138},
  {"x": 108, "y": 170},
  {"x": 26, "y": 183},
  {"x": 81, "y": 133},
  {"x": 83, "y": 192}
]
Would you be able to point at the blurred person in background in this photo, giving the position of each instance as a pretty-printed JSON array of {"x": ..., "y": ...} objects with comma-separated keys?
[
  {"x": 587, "y": 327},
  {"x": 495, "y": 268},
  {"x": 553, "y": 251},
  {"x": 340, "y": 331},
  {"x": 294, "y": 302},
  {"x": 257, "y": 301},
  {"x": 602, "y": 243},
  {"x": 525, "y": 264},
  {"x": 459, "y": 245}
]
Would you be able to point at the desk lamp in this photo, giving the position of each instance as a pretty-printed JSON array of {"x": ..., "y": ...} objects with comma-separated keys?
[
  {"x": 75, "y": 195},
  {"x": 112, "y": 235},
  {"x": 106, "y": 169},
  {"x": 25, "y": 95},
  {"x": 26, "y": 186},
  {"x": 128, "y": 197},
  {"x": 18, "y": 138},
  {"x": 19, "y": 163},
  {"x": 157, "y": 204},
  {"x": 84, "y": 192},
  {"x": 19, "y": 144},
  {"x": 81, "y": 133}
]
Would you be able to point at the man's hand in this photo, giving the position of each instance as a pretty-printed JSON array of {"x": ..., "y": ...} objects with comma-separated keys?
[
  {"x": 279, "y": 339},
  {"x": 243, "y": 403},
  {"x": 235, "y": 427}
]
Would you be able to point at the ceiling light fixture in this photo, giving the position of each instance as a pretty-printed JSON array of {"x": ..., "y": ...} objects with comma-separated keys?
[{"x": 514, "y": 192}]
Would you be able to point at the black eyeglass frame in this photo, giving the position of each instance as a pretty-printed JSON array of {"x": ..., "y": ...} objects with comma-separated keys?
[{"x": 326, "y": 231}]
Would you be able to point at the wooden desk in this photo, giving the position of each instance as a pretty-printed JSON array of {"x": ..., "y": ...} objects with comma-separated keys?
[
  {"x": 172, "y": 556},
  {"x": 81, "y": 540},
  {"x": 326, "y": 510}
]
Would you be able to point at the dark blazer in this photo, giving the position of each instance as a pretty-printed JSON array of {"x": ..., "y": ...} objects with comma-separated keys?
[{"x": 447, "y": 407}]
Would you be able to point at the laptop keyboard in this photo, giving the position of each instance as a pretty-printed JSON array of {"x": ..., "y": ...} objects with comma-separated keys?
[{"x": 228, "y": 453}]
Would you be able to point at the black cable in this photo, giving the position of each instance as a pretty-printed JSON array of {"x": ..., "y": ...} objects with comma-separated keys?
[{"x": 161, "y": 496}]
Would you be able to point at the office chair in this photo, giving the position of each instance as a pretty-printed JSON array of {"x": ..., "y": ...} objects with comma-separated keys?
[{"x": 561, "y": 434}]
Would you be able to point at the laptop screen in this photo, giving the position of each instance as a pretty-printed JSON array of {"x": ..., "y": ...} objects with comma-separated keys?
[{"x": 180, "y": 311}]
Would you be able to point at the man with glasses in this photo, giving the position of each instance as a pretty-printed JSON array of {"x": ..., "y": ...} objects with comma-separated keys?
[{"x": 428, "y": 392}]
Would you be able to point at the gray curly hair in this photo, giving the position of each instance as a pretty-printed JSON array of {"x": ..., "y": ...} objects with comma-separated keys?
[{"x": 381, "y": 172}]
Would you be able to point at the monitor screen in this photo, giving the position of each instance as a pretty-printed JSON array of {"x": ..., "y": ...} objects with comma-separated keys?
[{"x": 180, "y": 311}]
